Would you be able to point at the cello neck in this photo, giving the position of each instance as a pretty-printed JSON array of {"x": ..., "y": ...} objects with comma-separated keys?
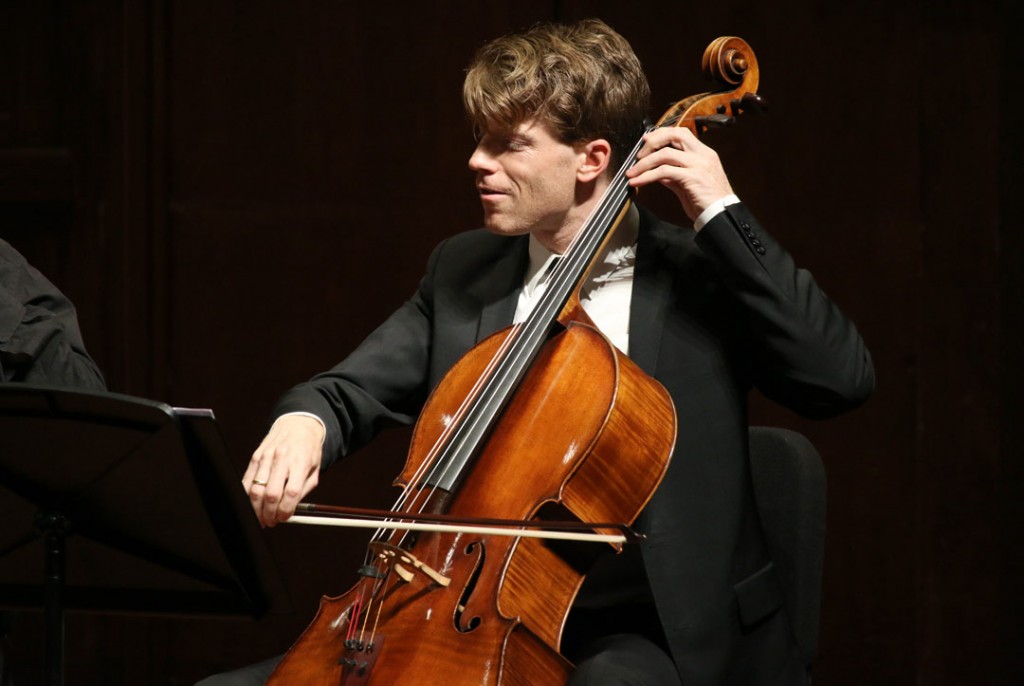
[{"x": 557, "y": 306}]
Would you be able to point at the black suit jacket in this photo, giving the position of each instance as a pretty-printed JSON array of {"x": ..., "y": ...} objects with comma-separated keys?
[
  {"x": 40, "y": 341},
  {"x": 711, "y": 316}
]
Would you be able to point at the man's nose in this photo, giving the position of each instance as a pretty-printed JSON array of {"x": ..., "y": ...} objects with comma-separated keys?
[{"x": 481, "y": 160}]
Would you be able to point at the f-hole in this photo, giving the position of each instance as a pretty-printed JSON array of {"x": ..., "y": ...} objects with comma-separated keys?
[{"x": 461, "y": 623}]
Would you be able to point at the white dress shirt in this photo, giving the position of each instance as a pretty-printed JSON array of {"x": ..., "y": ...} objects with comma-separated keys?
[{"x": 606, "y": 294}]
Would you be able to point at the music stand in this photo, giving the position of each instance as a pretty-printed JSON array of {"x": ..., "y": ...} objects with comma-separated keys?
[{"x": 115, "y": 503}]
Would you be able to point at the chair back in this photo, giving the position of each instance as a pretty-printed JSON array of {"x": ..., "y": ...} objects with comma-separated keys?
[{"x": 789, "y": 486}]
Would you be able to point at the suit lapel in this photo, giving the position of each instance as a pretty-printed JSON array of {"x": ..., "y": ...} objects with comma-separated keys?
[
  {"x": 504, "y": 282},
  {"x": 651, "y": 289}
]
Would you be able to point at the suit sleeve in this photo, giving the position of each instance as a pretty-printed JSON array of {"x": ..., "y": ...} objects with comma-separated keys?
[
  {"x": 40, "y": 341},
  {"x": 805, "y": 353},
  {"x": 383, "y": 382}
]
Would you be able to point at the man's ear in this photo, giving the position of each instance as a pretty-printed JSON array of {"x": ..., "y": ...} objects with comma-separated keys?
[{"x": 595, "y": 156}]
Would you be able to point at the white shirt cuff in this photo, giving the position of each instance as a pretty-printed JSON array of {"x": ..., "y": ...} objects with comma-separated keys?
[
  {"x": 307, "y": 414},
  {"x": 713, "y": 209}
]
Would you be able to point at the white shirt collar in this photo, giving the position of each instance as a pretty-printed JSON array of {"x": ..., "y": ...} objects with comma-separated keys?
[
  {"x": 541, "y": 258},
  {"x": 540, "y": 261}
]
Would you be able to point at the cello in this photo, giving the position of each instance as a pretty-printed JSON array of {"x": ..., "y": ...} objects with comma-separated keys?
[{"x": 467, "y": 603}]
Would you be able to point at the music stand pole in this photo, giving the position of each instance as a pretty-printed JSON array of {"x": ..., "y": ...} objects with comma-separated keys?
[{"x": 54, "y": 528}]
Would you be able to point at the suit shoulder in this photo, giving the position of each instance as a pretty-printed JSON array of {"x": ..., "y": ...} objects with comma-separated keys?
[
  {"x": 480, "y": 241},
  {"x": 472, "y": 249}
]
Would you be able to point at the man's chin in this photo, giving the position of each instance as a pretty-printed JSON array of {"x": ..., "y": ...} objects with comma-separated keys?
[{"x": 499, "y": 228}]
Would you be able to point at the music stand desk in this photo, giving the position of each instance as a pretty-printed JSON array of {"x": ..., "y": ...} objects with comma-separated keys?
[{"x": 110, "y": 503}]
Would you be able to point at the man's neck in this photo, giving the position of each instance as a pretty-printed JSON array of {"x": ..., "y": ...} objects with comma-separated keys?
[
  {"x": 587, "y": 198},
  {"x": 559, "y": 241}
]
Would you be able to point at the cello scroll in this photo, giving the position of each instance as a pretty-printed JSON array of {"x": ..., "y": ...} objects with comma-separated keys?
[{"x": 730, "y": 62}]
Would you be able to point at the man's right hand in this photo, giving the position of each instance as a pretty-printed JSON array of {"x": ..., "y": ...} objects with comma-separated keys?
[{"x": 285, "y": 467}]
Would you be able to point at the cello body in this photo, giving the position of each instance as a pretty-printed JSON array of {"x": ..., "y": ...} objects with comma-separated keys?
[{"x": 585, "y": 421}]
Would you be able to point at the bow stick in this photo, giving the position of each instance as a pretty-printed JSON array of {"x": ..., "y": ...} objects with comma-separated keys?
[{"x": 333, "y": 515}]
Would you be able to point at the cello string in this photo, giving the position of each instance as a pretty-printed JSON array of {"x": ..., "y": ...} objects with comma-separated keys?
[
  {"x": 516, "y": 346},
  {"x": 565, "y": 275},
  {"x": 522, "y": 343},
  {"x": 537, "y": 324},
  {"x": 451, "y": 426},
  {"x": 376, "y": 596},
  {"x": 353, "y": 620},
  {"x": 508, "y": 361},
  {"x": 376, "y": 620}
]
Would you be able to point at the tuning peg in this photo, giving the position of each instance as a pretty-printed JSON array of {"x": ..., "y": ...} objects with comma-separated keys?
[
  {"x": 750, "y": 102},
  {"x": 714, "y": 121}
]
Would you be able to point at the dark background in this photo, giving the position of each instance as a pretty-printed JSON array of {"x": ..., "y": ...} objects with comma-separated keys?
[{"x": 235, "y": 193}]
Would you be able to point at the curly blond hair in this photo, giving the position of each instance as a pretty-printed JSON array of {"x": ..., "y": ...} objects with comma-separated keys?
[{"x": 583, "y": 79}]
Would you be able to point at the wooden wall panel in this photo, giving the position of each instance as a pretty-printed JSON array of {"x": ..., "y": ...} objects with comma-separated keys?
[
  {"x": 243, "y": 189},
  {"x": 958, "y": 451},
  {"x": 1009, "y": 476}
]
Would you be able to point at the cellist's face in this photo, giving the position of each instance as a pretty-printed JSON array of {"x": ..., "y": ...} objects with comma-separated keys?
[{"x": 527, "y": 180}]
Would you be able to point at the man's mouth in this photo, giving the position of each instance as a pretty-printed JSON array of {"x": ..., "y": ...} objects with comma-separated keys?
[{"x": 488, "y": 192}]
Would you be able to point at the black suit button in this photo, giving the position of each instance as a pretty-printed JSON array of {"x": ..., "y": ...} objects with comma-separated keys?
[{"x": 761, "y": 250}]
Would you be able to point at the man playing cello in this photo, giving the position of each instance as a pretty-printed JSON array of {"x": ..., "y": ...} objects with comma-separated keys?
[{"x": 709, "y": 311}]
